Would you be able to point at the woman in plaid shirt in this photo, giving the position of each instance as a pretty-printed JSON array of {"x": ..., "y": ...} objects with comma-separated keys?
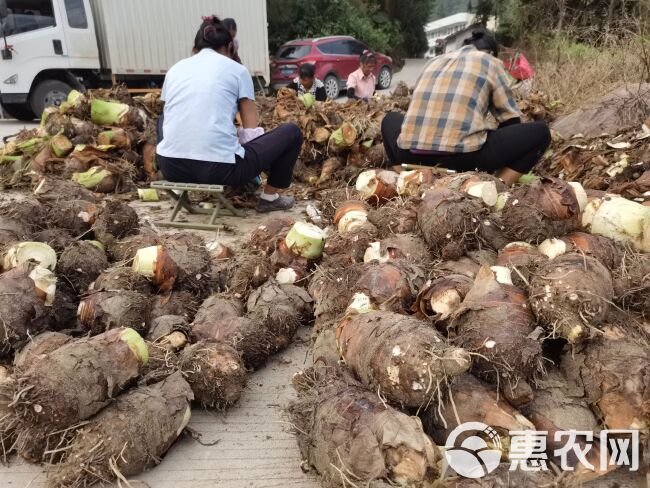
[{"x": 448, "y": 122}]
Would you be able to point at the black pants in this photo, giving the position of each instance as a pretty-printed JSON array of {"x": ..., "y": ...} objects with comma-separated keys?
[
  {"x": 275, "y": 153},
  {"x": 518, "y": 147}
]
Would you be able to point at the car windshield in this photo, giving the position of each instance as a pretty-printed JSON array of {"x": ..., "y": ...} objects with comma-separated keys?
[{"x": 293, "y": 51}]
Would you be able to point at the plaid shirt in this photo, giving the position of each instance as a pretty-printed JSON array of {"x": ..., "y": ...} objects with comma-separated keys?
[{"x": 451, "y": 102}]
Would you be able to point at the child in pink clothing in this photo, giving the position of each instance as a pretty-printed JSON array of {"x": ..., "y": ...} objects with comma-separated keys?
[{"x": 361, "y": 84}]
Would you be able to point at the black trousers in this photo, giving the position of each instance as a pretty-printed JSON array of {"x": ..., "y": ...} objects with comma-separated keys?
[
  {"x": 275, "y": 153},
  {"x": 517, "y": 146}
]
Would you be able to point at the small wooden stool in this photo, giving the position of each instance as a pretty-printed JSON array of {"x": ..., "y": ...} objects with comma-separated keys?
[{"x": 223, "y": 205}]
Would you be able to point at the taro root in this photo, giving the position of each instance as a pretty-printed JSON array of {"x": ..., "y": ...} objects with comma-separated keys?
[
  {"x": 29, "y": 251},
  {"x": 80, "y": 264},
  {"x": 178, "y": 303},
  {"x": 377, "y": 186},
  {"x": 170, "y": 332},
  {"x": 410, "y": 183},
  {"x": 265, "y": 237},
  {"x": 332, "y": 289},
  {"x": 8, "y": 423},
  {"x": 560, "y": 407},
  {"x": 349, "y": 247},
  {"x": 306, "y": 240},
  {"x": 346, "y": 432},
  {"x": 38, "y": 347},
  {"x": 65, "y": 306},
  {"x": 102, "y": 311},
  {"x": 127, "y": 437},
  {"x": 57, "y": 239},
  {"x": 114, "y": 220},
  {"x": 396, "y": 217},
  {"x": 127, "y": 248},
  {"x": 401, "y": 357},
  {"x": 12, "y": 231},
  {"x": 274, "y": 315},
  {"x": 180, "y": 262},
  {"x": 54, "y": 191},
  {"x": 118, "y": 138},
  {"x": 215, "y": 372},
  {"x": 449, "y": 222},
  {"x": 390, "y": 286},
  {"x": 495, "y": 322},
  {"x": 602, "y": 248},
  {"x": 619, "y": 219},
  {"x": 483, "y": 186},
  {"x": 350, "y": 215},
  {"x": 121, "y": 279},
  {"x": 614, "y": 370},
  {"x": 399, "y": 246},
  {"x": 438, "y": 299},
  {"x": 75, "y": 216},
  {"x": 522, "y": 259},
  {"x": 570, "y": 294},
  {"x": 23, "y": 312},
  {"x": 23, "y": 208},
  {"x": 110, "y": 113},
  {"x": 546, "y": 208},
  {"x": 468, "y": 399},
  {"x": 632, "y": 282},
  {"x": 76, "y": 380},
  {"x": 242, "y": 274}
]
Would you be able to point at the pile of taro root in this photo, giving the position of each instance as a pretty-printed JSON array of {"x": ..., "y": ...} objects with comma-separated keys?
[{"x": 434, "y": 301}]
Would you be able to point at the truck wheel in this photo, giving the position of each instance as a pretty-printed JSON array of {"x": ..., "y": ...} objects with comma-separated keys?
[
  {"x": 332, "y": 89},
  {"x": 20, "y": 111},
  {"x": 49, "y": 93}
]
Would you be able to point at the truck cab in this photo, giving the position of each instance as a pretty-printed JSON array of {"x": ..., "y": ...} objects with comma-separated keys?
[{"x": 48, "y": 47}]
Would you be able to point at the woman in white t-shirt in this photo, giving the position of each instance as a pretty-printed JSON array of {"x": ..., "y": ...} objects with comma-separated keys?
[{"x": 198, "y": 141}]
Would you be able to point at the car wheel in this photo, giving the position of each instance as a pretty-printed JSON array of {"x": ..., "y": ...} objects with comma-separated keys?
[
  {"x": 332, "y": 86},
  {"x": 19, "y": 111},
  {"x": 385, "y": 78},
  {"x": 49, "y": 93}
]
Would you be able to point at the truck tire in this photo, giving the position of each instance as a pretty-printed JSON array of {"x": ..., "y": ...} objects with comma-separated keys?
[
  {"x": 385, "y": 78},
  {"x": 48, "y": 93},
  {"x": 19, "y": 111}
]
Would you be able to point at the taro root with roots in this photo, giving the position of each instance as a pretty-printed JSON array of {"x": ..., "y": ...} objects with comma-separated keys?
[
  {"x": 570, "y": 294},
  {"x": 546, "y": 208},
  {"x": 180, "y": 303},
  {"x": 75, "y": 216},
  {"x": 483, "y": 186},
  {"x": 57, "y": 239},
  {"x": 127, "y": 437},
  {"x": 23, "y": 311},
  {"x": 80, "y": 264},
  {"x": 332, "y": 289},
  {"x": 265, "y": 237},
  {"x": 399, "y": 246},
  {"x": 602, "y": 248},
  {"x": 350, "y": 247},
  {"x": 114, "y": 220},
  {"x": 390, "y": 286},
  {"x": 468, "y": 399},
  {"x": 449, "y": 222},
  {"x": 395, "y": 217},
  {"x": 400, "y": 357},
  {"x": 76, "y": 380},
  {"x": 55, "y": 191},
  {"x": 102, "y": 311},
  {"x": 495, "y": 322},
  {"x": 126, "y": 249},
  {"x": 522, "y": 259},
  {"x": 613, "y": 371},
  {"x": 121, "y": 279},
  {"x": 171, "y": 332},
  {"x": 346, "y": 432},
  {"x": 242, "y": 274},
  {"x": 215, "y": 372},
  {"x": 438, "y": 299},
  {"x": 38, "y": 347}
]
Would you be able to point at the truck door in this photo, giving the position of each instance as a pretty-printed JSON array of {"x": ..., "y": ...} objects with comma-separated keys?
[
  {"x": 34, "y": 32},
  {"x": 79, "y": 30}
]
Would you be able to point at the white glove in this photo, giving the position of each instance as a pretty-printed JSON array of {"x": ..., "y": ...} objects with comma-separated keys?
[{"x": 247, "y": 135}]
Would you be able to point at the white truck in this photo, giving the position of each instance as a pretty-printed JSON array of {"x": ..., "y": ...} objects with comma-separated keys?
[{"x": 49, "y": 47}]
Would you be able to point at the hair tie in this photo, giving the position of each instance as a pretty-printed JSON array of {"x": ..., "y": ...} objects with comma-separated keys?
[
  {"x": 209, "y": 29},
  {"x": 208, "y": 18}
]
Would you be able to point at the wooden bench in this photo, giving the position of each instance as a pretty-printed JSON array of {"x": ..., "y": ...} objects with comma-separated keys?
[{"x": 179, "y": 192}]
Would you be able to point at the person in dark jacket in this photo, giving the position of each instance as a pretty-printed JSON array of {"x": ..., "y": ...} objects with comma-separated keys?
[{"x": 306, "y": 82}]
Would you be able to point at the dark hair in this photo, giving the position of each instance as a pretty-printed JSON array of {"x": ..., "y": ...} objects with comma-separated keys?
[
  {"x": 367, "y": 56},
  {"x": 212, "y": 34},
  {"x": 230, "y": 24},
  {"x": 307, "y": 70},
  {"x": 484, "y": 40}
]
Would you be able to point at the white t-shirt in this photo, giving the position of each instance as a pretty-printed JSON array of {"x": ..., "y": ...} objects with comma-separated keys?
[{"x": 201, "y": 95}]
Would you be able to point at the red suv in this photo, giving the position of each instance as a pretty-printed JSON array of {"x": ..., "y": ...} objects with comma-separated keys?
[{"x": 334, "y": 58}]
